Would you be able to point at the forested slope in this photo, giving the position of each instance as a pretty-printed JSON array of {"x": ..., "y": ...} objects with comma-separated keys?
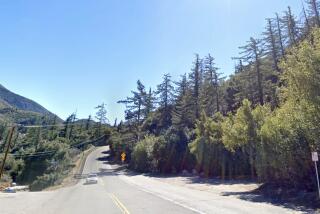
[
  {"x": 262, "y": 122},
  {"x": 18, "y": 109},
  {"x": 41, "y": 154}
]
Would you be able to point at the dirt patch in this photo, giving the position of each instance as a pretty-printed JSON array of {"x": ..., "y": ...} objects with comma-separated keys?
[
  {"x": 247, "y": 190},
  {"x": 211, "y": 185}
]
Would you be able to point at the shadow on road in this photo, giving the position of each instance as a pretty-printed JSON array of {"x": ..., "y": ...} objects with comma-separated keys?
[
  {"x": 300, "y": 202},
  {"x": 103, "y": 158}
]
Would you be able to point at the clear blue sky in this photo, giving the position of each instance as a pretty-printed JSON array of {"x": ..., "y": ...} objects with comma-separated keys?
[{"x": 75, "y": 54}]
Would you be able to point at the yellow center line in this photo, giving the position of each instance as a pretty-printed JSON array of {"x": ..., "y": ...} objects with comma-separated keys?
[{"x": 120, "y": 205}]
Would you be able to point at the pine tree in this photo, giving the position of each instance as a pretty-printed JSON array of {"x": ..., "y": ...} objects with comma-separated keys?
[
  {"x": 239, "y": 67},
  {"x": 280, "y": 36},
  {"x": 88, "y": 123},
  {"x": 182, "y": 115},
  {"x": 313, "y": 9},
  {"x": 306, "y": 21},
  {"x": 271, "y": 45},
  {"x": 165, "y": 99},
  {"x": 195, "y": 81},
  {"x": 74, "y": 118},
  {"x": 101, "y": 116},
  {"x": 290, "y": 24},
  {"x": 53, "y": 129},
  {"x": 68, "y": 126},
  {"x": 136, "y": 104},
  {"x": 150, "y": 99},
  {"x": 252, "y": 54},
  {"x": 211, "y": 86}
]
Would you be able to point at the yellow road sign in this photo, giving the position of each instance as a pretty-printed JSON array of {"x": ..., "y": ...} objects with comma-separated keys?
[{"x": 123, "y": 156}]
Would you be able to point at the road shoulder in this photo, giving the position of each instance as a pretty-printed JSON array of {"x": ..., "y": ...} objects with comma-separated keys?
[{"x": 71, "y": 179}]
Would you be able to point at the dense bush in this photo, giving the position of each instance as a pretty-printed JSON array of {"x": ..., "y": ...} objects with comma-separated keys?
[
  {"x": 44, "y": 181},
  {"x": 142, "y": 157},
  {"x": 269, "y": 141}
]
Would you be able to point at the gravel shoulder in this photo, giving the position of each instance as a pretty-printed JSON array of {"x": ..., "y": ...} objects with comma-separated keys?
[{"x": 208, "y": 195}]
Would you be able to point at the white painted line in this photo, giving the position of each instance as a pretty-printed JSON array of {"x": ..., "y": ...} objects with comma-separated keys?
[
  {"x": 164, "y": 198},
  {"x": 172, "y": 201}
]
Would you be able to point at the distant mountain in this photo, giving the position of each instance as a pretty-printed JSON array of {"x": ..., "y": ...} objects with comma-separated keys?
[{"x": 16, "y": 108}]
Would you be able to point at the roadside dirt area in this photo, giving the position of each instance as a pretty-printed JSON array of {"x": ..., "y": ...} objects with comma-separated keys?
[{"x": 211, "y": 185}]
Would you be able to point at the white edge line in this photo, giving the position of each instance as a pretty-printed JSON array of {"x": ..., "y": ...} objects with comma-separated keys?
[{"x": 164, "y": 198}]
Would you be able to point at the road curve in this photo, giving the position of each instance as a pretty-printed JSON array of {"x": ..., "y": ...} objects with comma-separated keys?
[
  {"x": 117, "y": 192},
  {"x": 110, "y": 195}
]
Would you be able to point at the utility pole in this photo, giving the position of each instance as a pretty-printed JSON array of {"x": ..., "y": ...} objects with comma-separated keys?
[{"x": 7, "y": 151}]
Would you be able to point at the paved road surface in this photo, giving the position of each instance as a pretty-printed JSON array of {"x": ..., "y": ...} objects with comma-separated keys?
[{"x": 118, "y": 193}]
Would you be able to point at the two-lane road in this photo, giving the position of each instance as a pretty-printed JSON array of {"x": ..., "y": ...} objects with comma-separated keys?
[
  {"x": 120, "y": 193},
  {"x": 110, "y": 195}
]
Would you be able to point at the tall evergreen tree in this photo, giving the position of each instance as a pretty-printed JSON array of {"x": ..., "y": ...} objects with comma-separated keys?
[
  {"x": 149, "y": 103},
  {"x": 290, "y": 24},
  {"x": 136, "y": 104},
  {"x": 306, "y": 22},
  {"x": 165, "y": 99},
  {"x": 183, "y": 110},
  {"x": 252, "y": 54},
  {"x": 313, "y": 8},
  {"x": 211, "y": 86},
  {"x": 101, "y": 116},
  {"x": 68, "y": 126},
  {"x": 271, "y": 45},
  {"x": 88, "y": 123},
  {"x": 280, "y": 36},
  {"x": 195, "y": 81}
]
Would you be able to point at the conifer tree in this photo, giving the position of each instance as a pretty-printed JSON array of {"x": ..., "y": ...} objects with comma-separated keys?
[
  {"x": 280, "y": 36},
  {"x": 136, "y": 104},
  {"x": 290, "y": 25},
  {"x": 271, "y": 45},
  {"x": 150, "y": 99},
  {"x": 313, "y": 8},
  {"x": 211, "y": 86},
  {"x": 252, "y": 54},
  {"x": 101, "y": 116},
  {"x": 165, "y": 99},
  {"x": 195, "y": 82},
  {"x": 183, "y": 110}
]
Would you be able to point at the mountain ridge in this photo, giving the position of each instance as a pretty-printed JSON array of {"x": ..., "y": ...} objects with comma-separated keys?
[{"x": 11, "y": 100}]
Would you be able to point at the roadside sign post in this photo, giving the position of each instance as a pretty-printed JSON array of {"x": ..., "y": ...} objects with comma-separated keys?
[{"x": 315, "y": 159}]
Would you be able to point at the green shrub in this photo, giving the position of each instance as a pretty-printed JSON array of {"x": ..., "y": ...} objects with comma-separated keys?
[
  {"x": 142, "y": 154},
  {"x": 44, "y": 181}
]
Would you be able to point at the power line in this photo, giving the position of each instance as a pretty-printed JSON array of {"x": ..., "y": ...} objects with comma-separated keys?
[
  {"x": 44, "y": 126},
  {"x": 38, "y": 154},
  {"x": 75, "y": 123}
]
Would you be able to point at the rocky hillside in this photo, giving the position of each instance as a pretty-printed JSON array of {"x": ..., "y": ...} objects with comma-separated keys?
[{"x": 16, "y": 108}]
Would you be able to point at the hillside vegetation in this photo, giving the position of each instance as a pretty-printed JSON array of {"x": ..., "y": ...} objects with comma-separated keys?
[
  {"x": 41, "y": 155},
  {"x": 8, "y": 98},
  {"x": 18, "y": 109},
  {"x": 261, "y": 123}
]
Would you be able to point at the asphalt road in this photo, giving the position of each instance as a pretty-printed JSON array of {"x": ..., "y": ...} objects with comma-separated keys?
[
  {"x": 118, "y": 193},
  {"x": 110, "y": 195}
]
